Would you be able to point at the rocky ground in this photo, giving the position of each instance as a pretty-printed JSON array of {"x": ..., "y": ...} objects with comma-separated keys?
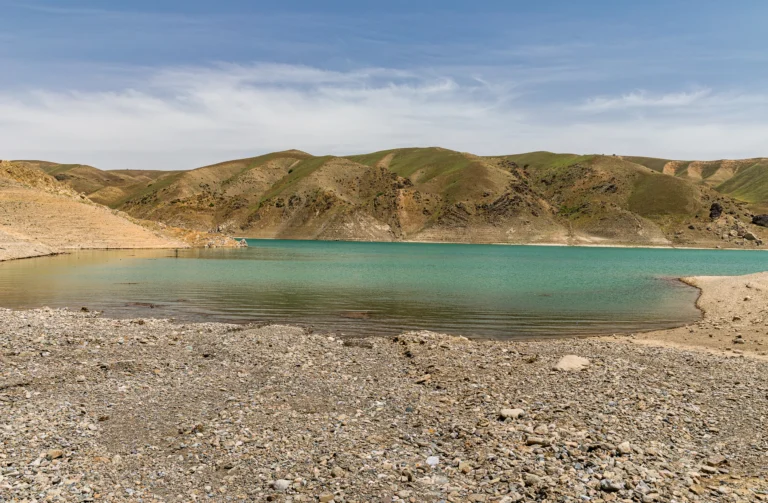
[
  {"x": 736, "y": 320},
  {"x": 96, "y": 409}
]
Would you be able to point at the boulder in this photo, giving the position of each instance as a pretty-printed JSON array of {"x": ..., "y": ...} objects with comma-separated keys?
[
  {"x": 571, "y": 362},
  {"x": 761, "y": 220},
  {"x": 511, "y": 413},
  {"x": 715, "y": 211}
]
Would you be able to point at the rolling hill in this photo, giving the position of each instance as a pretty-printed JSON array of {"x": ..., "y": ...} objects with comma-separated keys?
[
  {"x": 744, "y": 179},
  {"x": 40, "y": 215},
  {"x": 436, "y": 194}
]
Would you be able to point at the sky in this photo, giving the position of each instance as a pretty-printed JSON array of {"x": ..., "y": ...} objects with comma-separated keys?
[{"x": 171, "y": 84}]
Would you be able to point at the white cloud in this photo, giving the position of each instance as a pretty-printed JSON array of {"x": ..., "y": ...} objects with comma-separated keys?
[
  {"x": 701, "y": 100},
  {"x": 187, "y": 117},
  {"x": 643, "y": 99}
]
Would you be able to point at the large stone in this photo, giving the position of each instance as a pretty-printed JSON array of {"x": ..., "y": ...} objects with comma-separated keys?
[
  {"x": 511, "y": 413},
  {"x": 610, "y": 486},
  {"x": 715, "y": 211},
  {"x": 54, "y": 454},
  {"x": 571, "y": 363},
  {"x": 281, "y": 485},
  {"x": 761, "y": 220}
]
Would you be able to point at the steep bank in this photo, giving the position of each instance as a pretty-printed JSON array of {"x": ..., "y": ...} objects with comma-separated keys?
[
  {"x": 40, "y": 216},
  {"x": 121, "y": 410}
]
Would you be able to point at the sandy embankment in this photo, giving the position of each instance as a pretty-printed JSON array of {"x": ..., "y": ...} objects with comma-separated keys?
[
  {"x": 735, "y": 317},
  {"x": 34, "y": 223},
  {"x": 97, "y": 409},
  {"x": 39, "y": 216}
]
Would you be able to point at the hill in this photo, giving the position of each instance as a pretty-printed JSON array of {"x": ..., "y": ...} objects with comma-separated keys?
[
  {"x": 744, "y": 179},
  {"x": 41, "y": 216},
  {"x": 436, "y": 194}
]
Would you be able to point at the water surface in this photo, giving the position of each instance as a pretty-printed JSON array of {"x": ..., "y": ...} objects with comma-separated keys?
[{"x": 385, "y": 288}]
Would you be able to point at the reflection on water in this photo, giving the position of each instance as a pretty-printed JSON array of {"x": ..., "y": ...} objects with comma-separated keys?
[{"x": 384, "y": 288}]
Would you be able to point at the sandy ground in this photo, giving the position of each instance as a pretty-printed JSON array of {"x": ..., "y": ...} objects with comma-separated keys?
[
  {"x": 735, "y": 317},
  {"x": 34, "y": 223}
]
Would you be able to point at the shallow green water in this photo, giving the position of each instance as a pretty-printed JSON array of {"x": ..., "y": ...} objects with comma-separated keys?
[{"x": 475, "y": 290}]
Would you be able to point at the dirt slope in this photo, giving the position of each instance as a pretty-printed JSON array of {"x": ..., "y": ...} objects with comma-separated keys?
[{"x": 39, "y": 216}]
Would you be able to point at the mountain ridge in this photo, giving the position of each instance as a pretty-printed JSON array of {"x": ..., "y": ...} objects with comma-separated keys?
[{"x": 437, "y": 194}]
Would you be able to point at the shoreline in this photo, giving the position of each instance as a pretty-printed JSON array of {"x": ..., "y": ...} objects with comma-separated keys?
[
  {"x": 547, "y": 244},
  {"x": 563, "y": 245},
  {"x": 101, "y": 409},
  {"x": 734, "y": 317}
]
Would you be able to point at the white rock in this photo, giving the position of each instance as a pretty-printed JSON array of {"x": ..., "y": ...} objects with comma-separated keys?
[
  {"x": 511, "y": 413},
  {"x": 433, "y": 460},
  {"x": 625, "y": 448},
  {"x": 571, "y": 362},
  {"x": 281, "y": 485}
]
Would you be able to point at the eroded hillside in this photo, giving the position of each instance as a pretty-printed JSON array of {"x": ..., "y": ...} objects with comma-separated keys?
[
  {"x": 435, "y": 194},
  {"x": 40, "y": 216}
]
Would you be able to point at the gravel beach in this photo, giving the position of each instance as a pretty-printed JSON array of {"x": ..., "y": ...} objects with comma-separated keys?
[{"x": 95, "y": 409}]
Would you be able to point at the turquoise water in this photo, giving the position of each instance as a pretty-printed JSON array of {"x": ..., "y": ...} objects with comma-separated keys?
[{"x": 384, "y": 288}]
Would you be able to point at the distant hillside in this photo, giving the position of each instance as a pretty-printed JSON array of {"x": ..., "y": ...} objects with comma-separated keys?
[
  {"x": 110, "y": 188},
  {"x": 435, "y": 194},
  {"x": 743, "y": 179}
]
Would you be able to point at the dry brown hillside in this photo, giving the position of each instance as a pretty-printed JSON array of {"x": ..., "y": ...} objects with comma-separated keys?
[
  {"x": 436, "y": 194},
  {"x": 39, "y": 216}
]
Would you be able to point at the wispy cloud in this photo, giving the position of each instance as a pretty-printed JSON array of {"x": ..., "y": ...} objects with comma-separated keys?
[
  {"x": 186, "y": 117},
  {"x": 643, "y": 99},
  {"x": 700, "y": 100}
]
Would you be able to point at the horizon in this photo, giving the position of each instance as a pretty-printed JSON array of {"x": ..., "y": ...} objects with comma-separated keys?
[
  {"x": 169, "y": 85},
  {"x": 377, "y": 151}
]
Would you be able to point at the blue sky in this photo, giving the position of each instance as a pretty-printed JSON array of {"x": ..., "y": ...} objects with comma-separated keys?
[{"x": 169, "y": 84}]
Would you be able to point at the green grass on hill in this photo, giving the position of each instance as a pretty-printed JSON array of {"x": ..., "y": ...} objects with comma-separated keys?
[
  {"x": 302, "y": 169},
  {"x": 432, "y": 162},
  {"x": 155, "y": 185},
  {"x": 60, "y": 168},
  {"x": 656, "y": 195},
  {"x": 369, "y": 159},
  {"x": 750, "y": 184},
  {"x": 541, "y": 159},
  {"x": 649, "y": 162},
  {"x": 246, "y": 165},
  {"x": 710, "y": 169}
]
